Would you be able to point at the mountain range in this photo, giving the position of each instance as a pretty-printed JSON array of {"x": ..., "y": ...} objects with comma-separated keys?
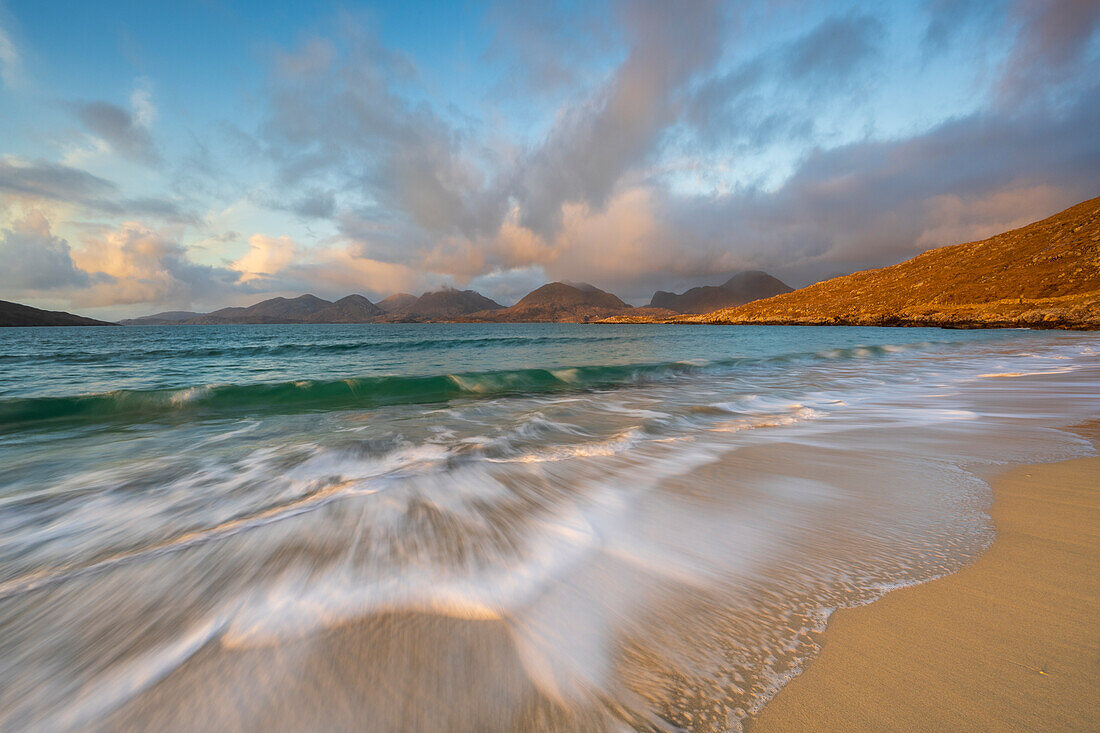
[
  {"x": 553, "y": 302},
  {"x": 303, "y": 309}
]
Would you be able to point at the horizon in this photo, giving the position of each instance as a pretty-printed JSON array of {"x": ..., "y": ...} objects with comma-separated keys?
[{"x": 221, "y": 154}]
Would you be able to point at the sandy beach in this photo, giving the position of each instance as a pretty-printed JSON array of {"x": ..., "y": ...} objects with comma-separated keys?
[
  {"x": 1011, "y": 642},
  {"x": 607, "y": 554}
]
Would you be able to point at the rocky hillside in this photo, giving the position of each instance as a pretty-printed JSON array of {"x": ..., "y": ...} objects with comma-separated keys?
[
  {"x": 1044, "y": 275},
  {"x": 744, "y": 287},
  {"x": 17, "y": 314}
]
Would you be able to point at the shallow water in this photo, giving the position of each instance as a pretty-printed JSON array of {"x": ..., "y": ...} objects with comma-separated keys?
[{"x": 483, "y": 526}]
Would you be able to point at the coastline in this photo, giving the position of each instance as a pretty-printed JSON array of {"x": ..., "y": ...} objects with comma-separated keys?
[{"x": 1009, "y": 642}]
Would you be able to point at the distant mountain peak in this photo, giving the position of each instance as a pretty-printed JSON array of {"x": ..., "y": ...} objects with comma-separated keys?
[
  {"x": 742, "y": 287},
  {"x": 447, "y": 304}
]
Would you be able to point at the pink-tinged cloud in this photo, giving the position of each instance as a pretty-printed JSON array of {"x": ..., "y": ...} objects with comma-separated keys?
[{"x": 266, "y": 257}]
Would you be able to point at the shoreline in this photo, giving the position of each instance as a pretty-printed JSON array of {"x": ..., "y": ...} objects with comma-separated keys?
[{"x": 1009, "y": 642}]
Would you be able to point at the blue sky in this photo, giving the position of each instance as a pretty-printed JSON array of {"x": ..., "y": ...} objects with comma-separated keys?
[{"x": 197, "y": 154}]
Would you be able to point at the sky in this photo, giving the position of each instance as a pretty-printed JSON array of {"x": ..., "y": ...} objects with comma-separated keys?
[{"x": 204, "y": 153}]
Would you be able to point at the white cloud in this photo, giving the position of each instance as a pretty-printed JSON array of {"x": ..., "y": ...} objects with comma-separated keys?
[{"x": 141, "y": 103}]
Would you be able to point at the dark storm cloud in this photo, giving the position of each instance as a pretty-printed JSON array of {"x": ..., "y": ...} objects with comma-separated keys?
[{"x": 120, "y": 130}]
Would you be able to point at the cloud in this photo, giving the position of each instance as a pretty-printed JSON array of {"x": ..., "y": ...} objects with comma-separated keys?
[
  {"x": 543, "y": 52},
  {"x": 315, "y": 204},
  {"x": 596, "y": 142},
  {"x": 333, "y": 111},
  {"x": 776, "y": 95},
  {"x": 348, "y": 269},
  {"x": 947, "y": 19},
  {"x": 1052, "y": 47},
  {"x": 266, "y": 256},
  {"x": 333, "y": 114},
  {"x": 39, "y": 180},
  {"x": 834, "y": 49},
  {"x": 589, "y": 200},
  {"x": 44, "y": 180},
  {"x": 137, "y": 264},
  {"x": 872, "y": 202},
  {"x": 35, "y": 260},
  {"x": 968, "y": 218},
  {"x": 125, "y": 133}
]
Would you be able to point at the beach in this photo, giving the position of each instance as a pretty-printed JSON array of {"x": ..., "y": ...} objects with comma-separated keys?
[
  {"x": 525, "y": 527},
  {"x": 1010, "y": 642}
]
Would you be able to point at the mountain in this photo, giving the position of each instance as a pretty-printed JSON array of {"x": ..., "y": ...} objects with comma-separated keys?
[
  {"x": 349, "y": 309},
  {"x": 17, "y": 314},
  {"x": 744, "y": 287},
  {"x": 1044, "y": 275},
  {"x": 445, "y": 305},
  {"x": 303, "y": 309},
  {"x": 167, "y": 318},
  {"x": 274, "y": 310},
  {"x": 559, "y": 302},
  {"x": 397, "y": 303}
]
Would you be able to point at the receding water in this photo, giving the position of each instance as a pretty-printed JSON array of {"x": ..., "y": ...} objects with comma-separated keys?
[{"x": 483, "y": 527}]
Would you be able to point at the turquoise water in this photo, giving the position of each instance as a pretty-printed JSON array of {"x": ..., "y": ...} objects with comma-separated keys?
[
  {"x": 398, "y": 527},
  {"x": 143, "y": 373}
]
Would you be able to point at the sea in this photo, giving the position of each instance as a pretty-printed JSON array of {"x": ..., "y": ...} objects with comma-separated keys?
[{"x": 485, "y": 527}]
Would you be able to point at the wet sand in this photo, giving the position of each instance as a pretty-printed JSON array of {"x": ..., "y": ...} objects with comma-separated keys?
[{"x": 1011, "y": 642}]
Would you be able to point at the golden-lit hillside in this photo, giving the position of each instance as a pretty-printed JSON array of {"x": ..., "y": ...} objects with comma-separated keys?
[{"x": 1046, "y": 274}]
